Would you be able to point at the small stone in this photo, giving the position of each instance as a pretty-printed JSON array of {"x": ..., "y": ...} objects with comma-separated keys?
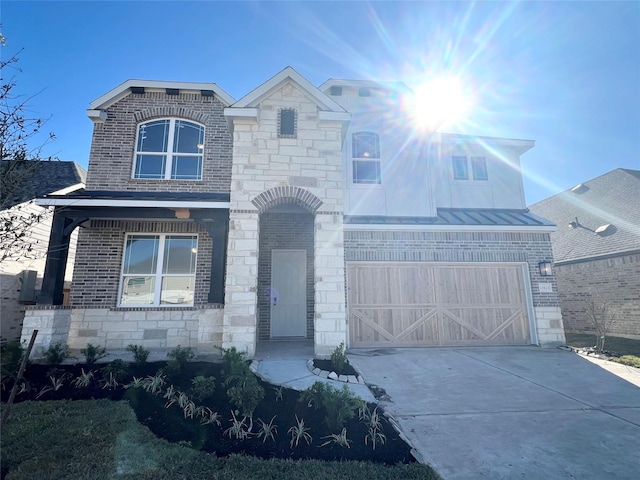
[
  {"x": 343, "y": 378},
  {"x": 333, "y": 376},
  {"x": 254, "y": 366},
  {"x": 316, "y": 371},
  {"x": 310, "y": 364},
  {"x": 360, "y": 380},
  {"x": 352, "y": 379},
  {"x": 324, "y": 373}
]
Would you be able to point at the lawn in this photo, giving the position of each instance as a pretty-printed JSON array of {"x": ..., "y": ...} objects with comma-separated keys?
[{"x": 98, "y": 439}]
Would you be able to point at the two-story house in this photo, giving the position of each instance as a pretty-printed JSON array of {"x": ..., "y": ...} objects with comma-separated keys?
[{"x": 295, "y": 212}]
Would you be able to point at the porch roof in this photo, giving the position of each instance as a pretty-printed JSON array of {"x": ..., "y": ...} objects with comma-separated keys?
[{"x": 104, "y": 198}]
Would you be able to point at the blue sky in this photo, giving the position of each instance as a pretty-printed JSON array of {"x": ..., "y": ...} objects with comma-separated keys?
[{"x": 565, "y": 74}]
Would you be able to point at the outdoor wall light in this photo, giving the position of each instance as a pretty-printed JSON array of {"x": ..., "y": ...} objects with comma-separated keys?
[{"x": 545, "y": 268}]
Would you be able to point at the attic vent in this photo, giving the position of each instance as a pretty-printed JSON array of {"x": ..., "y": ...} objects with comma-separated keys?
[
  {"x": 206, "y": 93},
  {"x": 172, "y": 91},
  {"x": 581, "y": 187},
  {"x": 336, "y": 91},
  {"x": 137, "y": 90},
  {"x": 602, "y": 229}
]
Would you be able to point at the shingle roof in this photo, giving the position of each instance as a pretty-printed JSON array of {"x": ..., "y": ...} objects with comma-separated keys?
[
  {"x": 613, "y": 198},
  {"x": 32, "y": 179},
  {"x": 461, "y": 216}
]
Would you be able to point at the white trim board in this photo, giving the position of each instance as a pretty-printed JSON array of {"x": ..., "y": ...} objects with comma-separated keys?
[
  {"x": 87, "y": 202},
  {"x": 451, "y": 228}
]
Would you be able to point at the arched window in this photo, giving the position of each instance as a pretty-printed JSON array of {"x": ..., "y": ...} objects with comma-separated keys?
[
  {"x": 169, "y": 149},
  {"x": 365, "y": 154}
]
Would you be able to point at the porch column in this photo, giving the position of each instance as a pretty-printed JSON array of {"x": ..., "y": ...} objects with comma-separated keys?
[
  {"x": 241, "y": 299},
  {"x": 52, "y": 290},
  {"x": 330, "y": 300}
]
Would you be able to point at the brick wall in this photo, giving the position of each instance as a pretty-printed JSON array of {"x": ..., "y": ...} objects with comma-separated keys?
[
  {"x": 283, "y": 230},
  {"x": 614, "y": 280},
  {"x": 113, "y": 143},
  {"x": 98, "y": 262},
  {"x": 396, "y": 246}
]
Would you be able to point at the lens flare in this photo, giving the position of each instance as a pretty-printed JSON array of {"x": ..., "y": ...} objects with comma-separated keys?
[{"x": 438, "y": 103}]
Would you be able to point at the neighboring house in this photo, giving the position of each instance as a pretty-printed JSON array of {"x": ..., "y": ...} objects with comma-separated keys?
[
  {"x": 295, "y": 212},
  {"x": 21, "y": 272},
  {"x": 596, "y": 250}
]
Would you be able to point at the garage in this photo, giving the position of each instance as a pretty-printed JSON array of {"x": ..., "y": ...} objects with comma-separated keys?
[{"x": 426, "y": 304}]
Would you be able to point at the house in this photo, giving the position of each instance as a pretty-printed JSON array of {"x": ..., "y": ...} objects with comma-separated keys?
[
  {"x": 596, "y": 250},
  {"x": 295, "y": 212},
  {"x": 22, "y": 260}
]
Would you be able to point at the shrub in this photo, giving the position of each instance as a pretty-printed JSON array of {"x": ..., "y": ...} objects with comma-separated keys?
[
  {"x": 10, "y": 358},
  {"x": 203, "y": 387},
  {"x": 56, "y": 354},
  {"x": 179, "y": 357},
  {"x": 93, "y": 353},
  {"x": 116, "y": 369},
  {"x": 630, "y": 360},
  {"x": 140, "y": 354},
  {"x": 243, "y": 388},
  {"x": 339, "y": 358},
  {"x": 339, "y": 405}
]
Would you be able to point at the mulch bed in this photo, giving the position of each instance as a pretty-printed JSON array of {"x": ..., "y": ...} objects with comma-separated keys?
[{"x": 170, "y": 424}]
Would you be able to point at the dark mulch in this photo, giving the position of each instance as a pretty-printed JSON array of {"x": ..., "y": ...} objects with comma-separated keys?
[{"x": 169, "y": 423}]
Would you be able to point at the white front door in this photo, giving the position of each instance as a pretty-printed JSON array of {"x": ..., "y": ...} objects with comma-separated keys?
[{"x": 288, "y": 293}]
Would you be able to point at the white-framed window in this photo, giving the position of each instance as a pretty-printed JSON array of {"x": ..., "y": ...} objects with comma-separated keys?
[
  {"x": 365, "y": 156},
  {"x": 158, "y": 270},
  {"x": 479, "y": 168},
  {"x": 460, "y": 168},
  {"x": 169, "y": 149}
]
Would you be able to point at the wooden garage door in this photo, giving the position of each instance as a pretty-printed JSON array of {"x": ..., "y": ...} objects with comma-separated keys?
[{"x": 436, "y": 304}]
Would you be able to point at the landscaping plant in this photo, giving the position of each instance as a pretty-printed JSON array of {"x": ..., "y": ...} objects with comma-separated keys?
[
  {"x": 93, "y": 353},
  {"x": 339, "y": 405},
  {"x": 203, "y": 387},
  {"x": 243, "y": 388},
  {"x": 57, "y": 353},
  {"x": 140, "y": 354},
  {"x": 339, "y": 358}
]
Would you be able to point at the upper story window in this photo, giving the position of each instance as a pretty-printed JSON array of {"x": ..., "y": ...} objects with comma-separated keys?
[
  {"x": 365, "y": 153},
  {"x": 287, "y": 123},
  {"x": 169, "y": 149},
  {"x": 158, "y": 270},
  {"x": 460, "y": 167}
]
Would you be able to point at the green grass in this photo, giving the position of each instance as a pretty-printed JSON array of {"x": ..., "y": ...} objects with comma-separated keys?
[{"x": 98, "y": 439}]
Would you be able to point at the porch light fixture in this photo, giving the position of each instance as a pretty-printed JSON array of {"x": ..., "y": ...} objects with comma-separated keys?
[{"x": 545, "y": 268}]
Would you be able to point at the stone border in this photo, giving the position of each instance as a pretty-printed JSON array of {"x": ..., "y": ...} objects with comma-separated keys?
[{"x": 333, "y": 375}]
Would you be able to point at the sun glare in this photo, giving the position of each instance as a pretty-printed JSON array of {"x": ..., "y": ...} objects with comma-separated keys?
[{"x": 439, "y": 103}]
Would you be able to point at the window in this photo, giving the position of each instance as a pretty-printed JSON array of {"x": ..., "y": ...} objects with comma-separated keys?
[
  {"x": 169, "y": 149},
  {"x": 479, "y": 168},
  {"x": 158, "y": 270},
  {"x": 365, "y": 151},
  {"x": 461, "y": 168},
  {"x": 287, "y": 123},
  {"x": 336, "y": 91}
]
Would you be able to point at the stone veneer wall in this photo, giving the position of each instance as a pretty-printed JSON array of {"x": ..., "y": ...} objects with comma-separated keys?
[
  {"x": 278, "y": 231},
  {"x": 493, "y": 247},
  {"x": 114, "y": 141},
  {"x": 292, "y": 170},
  {"x": 615, "y": 280},
  {"x": 114, "y": 329},
  {"x": 98, "y": 264}
]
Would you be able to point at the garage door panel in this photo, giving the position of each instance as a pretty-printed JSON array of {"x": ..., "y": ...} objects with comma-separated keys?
[{"x": 436, "y": 304}]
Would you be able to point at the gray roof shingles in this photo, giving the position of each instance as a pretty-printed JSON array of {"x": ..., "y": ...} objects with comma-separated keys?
[
  {"x": 47, "y": 177},
  {"x": 613, "y": 198}
]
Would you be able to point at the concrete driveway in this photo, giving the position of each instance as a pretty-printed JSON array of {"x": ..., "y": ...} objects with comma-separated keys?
[{"x": 509, "y": 412}]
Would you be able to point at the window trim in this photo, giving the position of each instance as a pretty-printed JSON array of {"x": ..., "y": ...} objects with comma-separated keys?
[
  {"x": 295, "y": 123},
  {"x": 169, "y": 154},
  {"x": 158, "y": 275},
  {"x": 472, "y": 172},
  {"x": 375, "y": 158}
]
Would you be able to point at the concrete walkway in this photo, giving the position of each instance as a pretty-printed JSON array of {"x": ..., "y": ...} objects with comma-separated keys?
[
  {"x": 285, "y": 363},
  {"x": 509, "y": 412}
]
